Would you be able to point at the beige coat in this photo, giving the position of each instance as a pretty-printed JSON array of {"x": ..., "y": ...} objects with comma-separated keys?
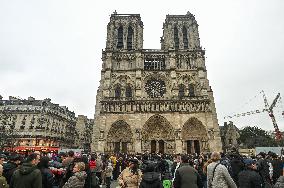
[{"x": 129, "y": 180}]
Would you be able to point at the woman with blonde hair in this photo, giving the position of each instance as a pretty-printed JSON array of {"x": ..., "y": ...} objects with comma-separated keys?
[
  {"x": 218, "y": 175},
  {"x": 78, "y": 179},
  {"x": 131, "y": 176}
]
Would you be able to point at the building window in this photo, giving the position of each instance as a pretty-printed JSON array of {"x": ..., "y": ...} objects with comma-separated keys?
[
  {"x": 176, "y": 39},
  {"x": 181, "y": 90},
  {"x": 117, "y": 92},
  {"x": 129, "y": 38},
  {"x": 191, "y": 90},
  {"x": 120, "y": 37},
  {"x": 128, "y": 91},
  {"x": 185, "y": 39}
]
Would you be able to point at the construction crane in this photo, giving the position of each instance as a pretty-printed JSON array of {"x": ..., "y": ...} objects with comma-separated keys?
[
  {"x": 269, "y": 109},
  {"x": 278, "y": 134}
]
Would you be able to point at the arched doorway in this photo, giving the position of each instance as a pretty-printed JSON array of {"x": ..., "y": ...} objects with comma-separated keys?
[
  {"x": 157, "y": 135},
  {"x": 194, "y": 136},
  {"x": 119, "y": 138}
]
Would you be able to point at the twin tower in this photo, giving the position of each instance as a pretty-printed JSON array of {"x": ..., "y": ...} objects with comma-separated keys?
[{"x": 151, "y": 100}]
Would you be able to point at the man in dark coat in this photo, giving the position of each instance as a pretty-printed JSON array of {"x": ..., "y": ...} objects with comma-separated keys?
[
  {"x": 249, "y": 178},
  {"x": 28, "y": 175},
  {"x": 150, "y": 178},
  {"x": 11, "y": 166},
  {"x": 186, "y": 176}
]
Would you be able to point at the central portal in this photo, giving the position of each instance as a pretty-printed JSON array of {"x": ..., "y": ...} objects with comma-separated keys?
[
  {"x": 157, "y": 146},
  {"x": 157, "y": 134}
]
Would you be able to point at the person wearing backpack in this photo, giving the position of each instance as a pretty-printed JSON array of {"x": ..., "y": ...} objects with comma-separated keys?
[
  {"x": 150, "y": 178},
  {"x": 218, "y": 175}
]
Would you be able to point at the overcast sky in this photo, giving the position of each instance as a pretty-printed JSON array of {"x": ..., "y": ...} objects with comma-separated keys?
[{"x": 52, "y": 49}]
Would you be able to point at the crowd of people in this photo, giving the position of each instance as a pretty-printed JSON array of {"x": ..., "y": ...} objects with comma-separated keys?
[{"x": 68, "y": 170}]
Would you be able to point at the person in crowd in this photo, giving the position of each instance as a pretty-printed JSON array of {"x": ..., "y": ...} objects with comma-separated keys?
[
  {"x": 66, "y": 162},
  {"x": 236, "y": 164},
  {"x": 10, "y": 167},
  {"x": 28, "y": 175},
  {"x": 78, "y": 179},
  {"x": 108, "y": 174},
  {"x": 2, "y": 159},
  {"x": 99, "y": 168},
  {"x": 92, "y": 162},
  {"x": 88, "y": 180},
  {"x": 263, "y": 169},
  {"x": 131, "y": 176},
  {"x": 218, "y": 175},
  {"x": 175, "y": 166},
  {"x": 150, "y": 178},
  {"x": 277, "y": 167},
  {"x": 249, "y": 177},
  {"x": 48, "y": 180},
  {"x": 186, "y": 175},
  {"x": 3, "y": 182}
]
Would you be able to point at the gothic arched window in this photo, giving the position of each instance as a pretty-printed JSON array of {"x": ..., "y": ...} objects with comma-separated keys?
[
  {"x": 176, "y": 39},
  {"x": 120, "y": 37},
  {"x": 191, "y": 90},
  {"x": 117, "y": 92},
  {"x": 185, "y": 39},
  {"x": 128, "y": 91},
  {"x": 129, "y": 38},
  {"x": 181, "y": 90}
]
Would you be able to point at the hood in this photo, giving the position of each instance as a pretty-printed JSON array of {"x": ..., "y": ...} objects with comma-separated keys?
[
  {"x": 150, "y": 176},
  {"x": 27, "y": 168},
  {"x": 81, "y": 175},
  {"x": 9, "y": 165}
]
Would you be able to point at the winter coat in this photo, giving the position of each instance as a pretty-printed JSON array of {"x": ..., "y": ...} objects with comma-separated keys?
[
  {"x": 249, "y": 179},
  {"x": 3, "y": 182},
  {"x": 8, "y": 170},
  {"x": 48, "y": 180},
  {"x": 151, "y": 180},
  {"x": 263, "y": 169},
  {"x": 279, "y": 183},
  {"x": 221, "y": 179},
  {"x": 187, "y": 176},
  {"x": 108, "y": 171},
  {"x": 92, "y": 165},
  {"x": 27, "y": 176},
  {"x": 76, "y": 181},
  {"x": 128, "y": 179}
]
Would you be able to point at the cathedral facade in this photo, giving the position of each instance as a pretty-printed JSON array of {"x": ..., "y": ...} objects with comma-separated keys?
[{"x": 153, "y": 100}]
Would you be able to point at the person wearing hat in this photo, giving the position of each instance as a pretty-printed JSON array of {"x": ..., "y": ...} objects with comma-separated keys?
[
  {"x": 249, "y": 177},
  {"x": 131, "y": 176}
]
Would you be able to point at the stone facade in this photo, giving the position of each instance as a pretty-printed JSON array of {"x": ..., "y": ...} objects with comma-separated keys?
[
  {"x": 84, "y": 129},
  {"x": 229, "y": 136},
  {"x": 31, "y": 122},
  {"x": 155, "y": 100}
]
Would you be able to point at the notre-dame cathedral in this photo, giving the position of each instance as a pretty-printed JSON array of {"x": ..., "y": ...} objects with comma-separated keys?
[{"x": 153, "y": 100}]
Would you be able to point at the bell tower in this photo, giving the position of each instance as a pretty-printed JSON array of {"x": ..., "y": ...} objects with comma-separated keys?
[{"x": 124, "y": 32}]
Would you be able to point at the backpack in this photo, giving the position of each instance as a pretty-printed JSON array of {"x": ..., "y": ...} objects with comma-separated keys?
[
  {"x": 95, "y": 182},
  {"x": 167, "y": 183},
  {"x": 227, "y": 163}
]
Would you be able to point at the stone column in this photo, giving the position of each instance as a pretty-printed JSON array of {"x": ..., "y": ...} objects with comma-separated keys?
[{"x": 178, "y": 148}]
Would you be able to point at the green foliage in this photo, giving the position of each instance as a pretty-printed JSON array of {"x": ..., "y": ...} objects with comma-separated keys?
[{"x": 252, "y": 137}]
